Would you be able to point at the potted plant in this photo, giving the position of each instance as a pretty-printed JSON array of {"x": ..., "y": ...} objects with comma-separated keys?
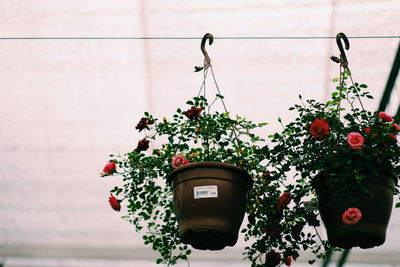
[
  {"x": 343, "y": 159},
  {"x": 194, "y": 184},
  {"x": 206, "y": 160}
]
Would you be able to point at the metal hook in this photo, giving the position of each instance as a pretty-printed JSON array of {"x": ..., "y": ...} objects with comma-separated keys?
[
  {"x": 343, "y": 59},
  {"x": 210, "y": 38}
]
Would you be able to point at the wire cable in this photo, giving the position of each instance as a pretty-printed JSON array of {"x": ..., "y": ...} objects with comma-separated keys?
[{"x": 196, "y": 38}]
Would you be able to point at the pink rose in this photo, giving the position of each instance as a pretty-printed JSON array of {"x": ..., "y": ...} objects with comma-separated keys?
[
  {"x": 386, "y": 117},
  {"x": 179, "y": 161},
  {"x": 351, "y": 216},
  {"x": 355, "y": 140},
  {"x": 110, "y": 168}
]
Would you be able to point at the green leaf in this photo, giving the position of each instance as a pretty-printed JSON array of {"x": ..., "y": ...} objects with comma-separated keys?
[
  {"x": 398, "y": 205},
  {"x": 251, "y": 219}
]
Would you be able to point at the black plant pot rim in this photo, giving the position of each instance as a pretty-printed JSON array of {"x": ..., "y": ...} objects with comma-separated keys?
[
  {"x": 203, "y": 164},
  {"x": 314, "y": 181}
]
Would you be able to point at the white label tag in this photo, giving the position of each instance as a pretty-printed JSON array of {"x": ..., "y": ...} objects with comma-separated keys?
[{"x": 209, "y": 191}]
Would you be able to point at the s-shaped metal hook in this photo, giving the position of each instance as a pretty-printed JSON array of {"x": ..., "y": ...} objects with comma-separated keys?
[
  {"x": 343, "y": 59},
  {"x": 207, "y": 60}
]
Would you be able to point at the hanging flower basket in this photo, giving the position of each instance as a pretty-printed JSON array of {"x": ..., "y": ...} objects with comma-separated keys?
[
  {"x": 347, "y": 227},
  {"x": 190, "y": 179},
  {"x": 339, "y": 162},
  {"x": 210, "y": 201}
]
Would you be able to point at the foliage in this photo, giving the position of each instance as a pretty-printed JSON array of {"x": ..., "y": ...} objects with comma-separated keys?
[{"x": 281, "y": 208}]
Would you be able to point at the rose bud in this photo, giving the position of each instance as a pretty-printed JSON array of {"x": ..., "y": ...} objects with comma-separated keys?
[
  {"x": 110, "y": 168},
  {"x": 114, "y": 203}
]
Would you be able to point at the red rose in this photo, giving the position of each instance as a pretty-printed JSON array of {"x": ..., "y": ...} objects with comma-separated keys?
[
  {"x": 110, "y": 168},
  {"x": 143, "y": 145},
  {"x": 288, "y": 261},
  {"x": 272, "y": 259},
  {"x": 144, "y": 123},
  {"x": 351, "y": 216},
  {"x": 386, "y": 117},
  {"x": 393, "y": 136},
  {"x": 179, "y": 161},
  {"x": 284, "y": 200},
  {"x": 193, "y": 113},
  {"x": 396, "y": 126},
  {"x": 319, "y": 129},
  {"x": 355, "y": 140},
  {"x": 114, "y": 203}
]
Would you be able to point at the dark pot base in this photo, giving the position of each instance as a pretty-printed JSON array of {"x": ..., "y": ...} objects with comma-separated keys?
[
  {"x": 212, "y": 239},
  {"x": 366, "y": 236}
]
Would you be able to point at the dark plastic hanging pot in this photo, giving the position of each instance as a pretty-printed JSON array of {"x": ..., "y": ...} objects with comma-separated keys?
[
  {"x": 210, "y": 202},
  {"x": 375, "y": 204}
]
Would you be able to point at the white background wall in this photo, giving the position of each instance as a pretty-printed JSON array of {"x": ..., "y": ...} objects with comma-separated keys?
[{"x": 67, "y": 104}]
